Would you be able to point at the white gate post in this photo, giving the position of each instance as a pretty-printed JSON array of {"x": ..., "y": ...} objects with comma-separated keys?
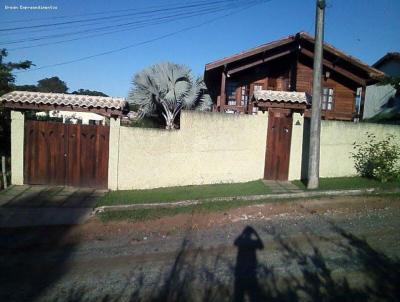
[
  {"x": 17, "y": 147},
  {"x": 113, "y": 153}
]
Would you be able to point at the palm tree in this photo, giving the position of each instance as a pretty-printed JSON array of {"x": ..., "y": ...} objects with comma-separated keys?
[{"x": 165, "y": 89}]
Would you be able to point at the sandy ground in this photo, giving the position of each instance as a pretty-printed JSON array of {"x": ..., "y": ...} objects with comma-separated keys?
[{"x": 330, "y": 249}]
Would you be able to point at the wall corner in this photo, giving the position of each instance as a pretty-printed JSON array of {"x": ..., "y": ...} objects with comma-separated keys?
[
  {"x": 113, "y": 153},
  {"x": 17, "y": 147}
]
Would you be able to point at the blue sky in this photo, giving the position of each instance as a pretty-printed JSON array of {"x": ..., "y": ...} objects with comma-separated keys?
[{"x": 366, "y": 29}]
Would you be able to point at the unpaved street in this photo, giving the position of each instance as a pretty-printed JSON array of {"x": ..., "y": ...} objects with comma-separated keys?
[{"x": 333, "y": 249}]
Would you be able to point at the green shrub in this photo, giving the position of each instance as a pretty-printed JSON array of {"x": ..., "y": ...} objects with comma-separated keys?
[{"x": 378, "y": 159}]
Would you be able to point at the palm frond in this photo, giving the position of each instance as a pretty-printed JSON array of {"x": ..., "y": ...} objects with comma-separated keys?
[{"x": 168, "y": 87}]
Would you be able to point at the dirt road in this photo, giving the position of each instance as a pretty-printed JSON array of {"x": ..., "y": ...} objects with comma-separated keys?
[{"x": 336, "y": 249}]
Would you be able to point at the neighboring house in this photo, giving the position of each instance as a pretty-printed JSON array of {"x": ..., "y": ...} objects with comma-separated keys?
[
  {"x": 287, "y": 65},
  {"x": 382, "y": 102},
  {"x": 85, "y": 118}
]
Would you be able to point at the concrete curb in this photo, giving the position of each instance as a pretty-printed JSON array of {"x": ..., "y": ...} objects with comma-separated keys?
[{"x": 296, "y": 195}]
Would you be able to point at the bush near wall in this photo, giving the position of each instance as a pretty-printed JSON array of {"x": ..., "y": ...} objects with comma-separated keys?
[{"x": 378, "y": 159}]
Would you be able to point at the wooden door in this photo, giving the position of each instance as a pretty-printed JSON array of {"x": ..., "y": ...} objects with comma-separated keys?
[
  {"x": 278, "y": 144},
  {"x": 65, "y": 154},
  {"x": 87, "y": 156},
  {"x": 44, "y": 156}
]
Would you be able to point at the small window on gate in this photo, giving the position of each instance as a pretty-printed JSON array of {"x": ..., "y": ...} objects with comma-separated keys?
[
  {"x": 244, "y": 95},
  {"x": 327, "y": 98},
  {"x": 93, "y": 122}
]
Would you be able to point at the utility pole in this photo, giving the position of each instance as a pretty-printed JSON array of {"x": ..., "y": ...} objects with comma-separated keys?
[{"x": 315, "y": 127}]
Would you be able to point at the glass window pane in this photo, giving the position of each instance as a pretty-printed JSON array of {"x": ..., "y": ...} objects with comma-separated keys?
[{"x": 257, "y": 87}]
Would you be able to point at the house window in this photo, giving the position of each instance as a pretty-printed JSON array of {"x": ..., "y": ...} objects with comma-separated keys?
[
  {"x": 358, "y": 99},
  {"x": 258, "y": 87},
  {"x": 231, "y": 92},
  {"x": 244, "y": 95},
  {"x": 327, "y": 98}
]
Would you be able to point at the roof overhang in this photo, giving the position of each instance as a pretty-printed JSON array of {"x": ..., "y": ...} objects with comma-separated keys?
[
  {"x": 248, "y": 53},
  {"x": 272, "y": 50},
  {"x": 281, "y": 99},
  {"x": 26, "y": 100}
]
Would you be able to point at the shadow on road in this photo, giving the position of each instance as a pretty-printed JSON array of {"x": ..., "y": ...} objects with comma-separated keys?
[
  {"x": 348, "y": 270},
  {"x": 246, "y": 279},
  {"x": 32, "y": 259}
]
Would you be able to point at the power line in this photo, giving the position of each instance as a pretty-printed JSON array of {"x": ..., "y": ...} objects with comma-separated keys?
[
  {"x": 130, "y": 28},
  {"x": 108, "y": 17},
  {"x": 143, "y": 42},
  {"x": 91, "y": 14},
  {"x": 149, "y": 16},
  {"x": 167, "y": 18},
  {"x": 97, "y": 35}
]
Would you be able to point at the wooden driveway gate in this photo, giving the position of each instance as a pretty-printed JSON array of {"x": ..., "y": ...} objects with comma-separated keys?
[{"x": 66, "y": 154}]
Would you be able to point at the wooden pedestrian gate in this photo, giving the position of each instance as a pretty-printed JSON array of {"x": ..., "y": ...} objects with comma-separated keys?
[
  {"x": 66, "y": 154},
  {"x": 278, "y": 144}
]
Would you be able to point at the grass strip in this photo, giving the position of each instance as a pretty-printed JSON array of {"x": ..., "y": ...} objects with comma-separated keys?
[
  {"x": 347, "y": 183},
  {"x": 183, "y": 193},
  {"x": 133, "y": 215}
]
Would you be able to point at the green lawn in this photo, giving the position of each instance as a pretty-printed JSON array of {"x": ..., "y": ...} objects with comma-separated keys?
[
  {"x": 228, "y": 190},
  {"x": 344, "y": 183},
  {"x": 220, "y": 190},
  {"x": 183, "y": 193}
]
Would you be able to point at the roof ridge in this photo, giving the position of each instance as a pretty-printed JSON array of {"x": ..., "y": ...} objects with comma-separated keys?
[
  {"x": 62, "y": 94},
  {"x": 65, "y": 99},
  {"x": 299, "y": 35}
]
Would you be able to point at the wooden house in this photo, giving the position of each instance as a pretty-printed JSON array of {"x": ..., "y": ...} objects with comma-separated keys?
[{"x": 287, "y": 65}]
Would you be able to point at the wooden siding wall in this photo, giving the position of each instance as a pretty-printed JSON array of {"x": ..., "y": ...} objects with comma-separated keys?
[
  {"x": 343, "y": 94},
  {"x": 271, "y": 76},
  {"x": 289, "y": 73}
]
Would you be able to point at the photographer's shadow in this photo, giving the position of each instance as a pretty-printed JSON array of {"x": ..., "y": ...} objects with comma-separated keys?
[{"x": 246, "y": 282}]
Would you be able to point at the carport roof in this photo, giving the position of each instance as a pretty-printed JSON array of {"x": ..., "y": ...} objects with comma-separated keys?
[{"x": 60, "y": 101}]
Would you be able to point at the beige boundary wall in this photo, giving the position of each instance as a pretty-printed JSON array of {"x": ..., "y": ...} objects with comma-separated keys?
[
  {"x": 209, "y": 148},
  {"x": 337, "y": 144},
  {"x": 337, "y": 138}
]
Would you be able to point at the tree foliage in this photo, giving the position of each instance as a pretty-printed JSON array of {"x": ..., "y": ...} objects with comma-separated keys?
[
  {"x": 46, "y": 87},
  {"x": 89, "y": 92},
  {"x": 33, "y": 88},
  {"x": 165, "y": 89},
  {"x": 393, "y": 81},
  {"x": 377, "y": 159},
  {"x": 53, "y": 84},
  {"x": 7, "y": 79},
  {"x": 6, "y": 71}
]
